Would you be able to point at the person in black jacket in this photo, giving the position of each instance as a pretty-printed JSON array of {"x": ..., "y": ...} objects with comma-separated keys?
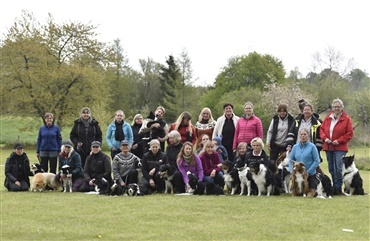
[
  {"x": 17, "y": 170},
  {"x": 84, "y": 131},
  {"x": 137, "y": 146},
  {"x": 151, "y": 162},
  {"x": 277, "y": 133}
]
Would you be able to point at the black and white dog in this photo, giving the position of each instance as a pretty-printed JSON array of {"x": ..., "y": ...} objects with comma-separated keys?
[
  {"x": 197, "y": 187},
  {"x": 67, "y": 178},
  {"x": 247, "y": 183},
  {"x": 351, "y": 177},
  {"x": 282, "y": 177},
  {"x": 263, "y": 178},
  {"x": 133, "y": 189},
  {"x": 231, "y": 177},
  {"x": 166, "y": 172},
  {"x": 325, "y": 187},
  {"x": 36, "y": 168}
]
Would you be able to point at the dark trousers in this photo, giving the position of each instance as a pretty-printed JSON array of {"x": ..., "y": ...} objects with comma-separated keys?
[
  {"x": 275, "y": 152},
  {"x": 44, "y": 162},
  {"x": 178, "y": 182},
  {"x": 159, "y": 183},
  {"x": 14, "y": 188}
]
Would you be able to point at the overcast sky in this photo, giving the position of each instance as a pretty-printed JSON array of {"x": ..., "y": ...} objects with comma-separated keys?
[{"x": 213, "y": 31}]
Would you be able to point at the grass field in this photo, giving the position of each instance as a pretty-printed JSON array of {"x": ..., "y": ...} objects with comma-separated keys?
[{"x": 77, "y": 216}]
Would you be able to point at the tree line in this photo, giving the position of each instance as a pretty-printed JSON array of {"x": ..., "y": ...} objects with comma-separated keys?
[{"x": 61, "y": 68}]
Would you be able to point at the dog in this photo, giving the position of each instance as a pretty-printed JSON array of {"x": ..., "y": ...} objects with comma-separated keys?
[
  {"x": 101, "y": 185},
  {"x": 197, "y": 187},
  {"x": 246, "y": 181},
  {"x": 36, "y": 168},
  {"x": 324, "y": 187},
  {"x": 282, "y": 177},
  {"x": 213, "y": 189},
  {"x": 133, "y": 189},
  {"x": 67, "y": 178},
  {"x": 263, "y": 178},
  {"x": 299, "y": 178},
  {"x": 231, "y": 177},
  {"x": 351, "y": 177},
  {"x": 41, "y": 180},
  {"x": 166, "y": 172}
]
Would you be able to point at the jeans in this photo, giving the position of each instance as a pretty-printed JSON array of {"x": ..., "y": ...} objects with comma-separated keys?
[
  {"x": 335, "y": 166},
  {"x": 218, "y": 179}
]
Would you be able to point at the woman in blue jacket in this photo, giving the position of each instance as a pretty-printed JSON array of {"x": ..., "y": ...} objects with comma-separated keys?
[
  {"x": 49, "y": 141},
  {"x": 118, "y": 131},
  {"x": 306, "y": 152}
]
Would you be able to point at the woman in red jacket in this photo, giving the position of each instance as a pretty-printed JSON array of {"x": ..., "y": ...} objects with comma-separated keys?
[
  {"x": 336, "y": 131},
  {"x": 185, "y": 128}
]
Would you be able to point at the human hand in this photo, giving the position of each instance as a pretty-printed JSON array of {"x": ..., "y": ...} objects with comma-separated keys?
[
  {"x": 17, "y": 183},
  {"x": 335, "y": 143},
  {"x": 219, "y": 165},
  {"x": 123, "y": 184},
  {"x": 151, "y": 183},
  {"x": 327, "y": 140},
  {"x": 288, "y": 148},
  {"x": 151, "y": 173},
  {"x": 155, "y": 125},
  {"x": 134, "y": 146},
  {"x": 213, "y": 173},
  {"x": 91, "y": 182},
  {"x": 79, "y": 144}
]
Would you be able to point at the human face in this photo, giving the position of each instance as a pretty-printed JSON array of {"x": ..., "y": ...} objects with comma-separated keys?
[
  {"x": 282, "y": 114},
  {"x": 125, "y": 148},
  {"x": 303, "y": 135},
  {"x": 67, "y": 149},
  {"x": 205, "y": 115},
  {"x": 119, "y": 117},
  {"x": 185, "y": 122},
  {"x": 49, "y": 120},
  {"x": 248, "y": 110},
  {"x": 337, "y": 108},
  {"x": 172, "y": 140},
  {"x": 228, "y": 111},
  {"x": 95, "y": 149},
  {"x": 85, "y": 115},
  {"x": 242, "y": 150},
  {"x": 19, "y": 151},
  {"x": 159, "y": 114},
  {"x": 205, "y": 138},
  {"x": 139, "y": 120},
  {"x": 257, "y": 147},
  {"x": 210, "y": 149},
  {"x": 307, "y": 112},
  {"x": 154, "y": 148},
  {"x": 188, "y": 150}
]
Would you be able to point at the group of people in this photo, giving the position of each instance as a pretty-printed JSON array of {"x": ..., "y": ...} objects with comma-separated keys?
[{"x": 199, "y": 148}]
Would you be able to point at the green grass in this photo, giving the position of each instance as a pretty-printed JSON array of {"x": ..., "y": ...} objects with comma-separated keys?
[{"x": 77, "y": 216}]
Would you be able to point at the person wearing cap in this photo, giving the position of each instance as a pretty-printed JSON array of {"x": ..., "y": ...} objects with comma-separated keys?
[
  {"x": 97, "y": 166},
  {"x": 85, "y": 130},
  {"x": 49, "y": 141},
  {"x": 124, "y": 167},
  {"x": 151, "y": 161},
  {"x": 17, "y": 170},
  {"x": 118, "y": 131},
  {"x": 70, "y": 157}
]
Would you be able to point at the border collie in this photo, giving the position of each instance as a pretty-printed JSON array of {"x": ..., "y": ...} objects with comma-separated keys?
[
  {"x": 263, "y": 178},
  {"x": 166, "y": 172},
  {"x": 351, "y": 177},
  {"x": 282, "y": 177},
  {"x": 231, "y": 177},
  {"x": 67, "y": 178},
  {"x": 325, "y": 187},
  {"x": 299, "y": 179}
]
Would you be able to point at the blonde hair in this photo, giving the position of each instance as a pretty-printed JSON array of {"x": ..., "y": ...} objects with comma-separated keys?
[
  {"x": 161, "y": 108},
  {"x": 200, "y": 118},
  {"x": 175, "y": 134},
  {"x": 184, "y": 116},
  {"x": 119, "y": 111},
  {"x": 136, "y": 117},
  {"x": 240, "y": 145},
  {"x": 258, "y": 140}
]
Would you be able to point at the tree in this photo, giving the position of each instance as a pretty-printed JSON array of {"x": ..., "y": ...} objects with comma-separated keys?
[
  {"x": 170, "y": 83},
  {"x": 186, "y": 71},
  {"x": 358, "y": 79},
  {"x": 52, "y": 68}
]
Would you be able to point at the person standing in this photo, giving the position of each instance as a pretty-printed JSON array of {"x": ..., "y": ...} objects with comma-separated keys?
[
  {"x": 204, "y": 125},
  {"x": 225, "y": 127},
  {"x": 336, "y": 131},
  {"x": 17, "y": 170},
  {"x": 118, "y": 131},
  {"x": 278, "y": 131},
  {"x": 84, "y": 131},
  {"x": 137, "y": 146},
  {"x": 49, "y": 142},
  {"x": 185, "y": 128},
  {"x": 248, "y": 127}
]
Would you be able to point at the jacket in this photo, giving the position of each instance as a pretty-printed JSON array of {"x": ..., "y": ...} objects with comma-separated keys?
[
  {"x": 241, "y": 161},
  {"x": 247, "y": 129},
  {"x": 151, "y": 161},
  {"x": 342, "y": 132},
  {"x": 49, "y": 138},
  {"x": 306, "y": 153},
  {"x": 122, "y": 164},
  {"x": 209, "y": 162},
  {"x": 79, "y": 134},
  {"x": 110, "y": 137},
  {"x": 97, "y": 166},
  {"x": 273, "y": 128},
  {"x": 196, "y": 169},
  {"x": 13, "y": 162},
  {"x": 185, "y": 134},
  {"x": 220, "y": 124},
  {"x": 137, "y": 139},
  {"x": 74, "y": 161}
]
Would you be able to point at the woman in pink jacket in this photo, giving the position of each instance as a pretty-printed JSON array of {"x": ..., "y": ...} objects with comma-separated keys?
[
  {"x": 336, "y": 131},
  {"x": 248, "y": 127}
]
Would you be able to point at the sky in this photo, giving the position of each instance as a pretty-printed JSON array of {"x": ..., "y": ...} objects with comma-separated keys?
[{"x": 213, "y": 31}]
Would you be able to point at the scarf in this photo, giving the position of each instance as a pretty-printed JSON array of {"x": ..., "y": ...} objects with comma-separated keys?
[
  {"x": 118, "y": 135},
  {"x": 188, "y": 159}
]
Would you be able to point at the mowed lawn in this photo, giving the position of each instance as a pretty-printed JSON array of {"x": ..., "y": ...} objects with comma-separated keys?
[{"x": 77, "y": 216}]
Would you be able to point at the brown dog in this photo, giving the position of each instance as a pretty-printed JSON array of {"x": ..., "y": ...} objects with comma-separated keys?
[{"x": 299, "y": 179}]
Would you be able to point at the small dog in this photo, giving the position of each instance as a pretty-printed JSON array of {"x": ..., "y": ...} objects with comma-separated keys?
[
  {"x": 282, "y": 177},
  {"x": 351, "y": 177},
  {"x": 324, "y": 188},
  {"x": 197, "y": 187},
  {"x": 299, "y": 179},
  {"x": 263, "y": 178},
  {"x": 133, "y": 189},
  {"x": 231, "y": 177},
  {"x": 36, "y": 168},
  {"x": 41, "y": 180},
  {"x": 166, "y": 172},
  {"x": 67, "y": 178},
  {"x": 101, "y": 185}
]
